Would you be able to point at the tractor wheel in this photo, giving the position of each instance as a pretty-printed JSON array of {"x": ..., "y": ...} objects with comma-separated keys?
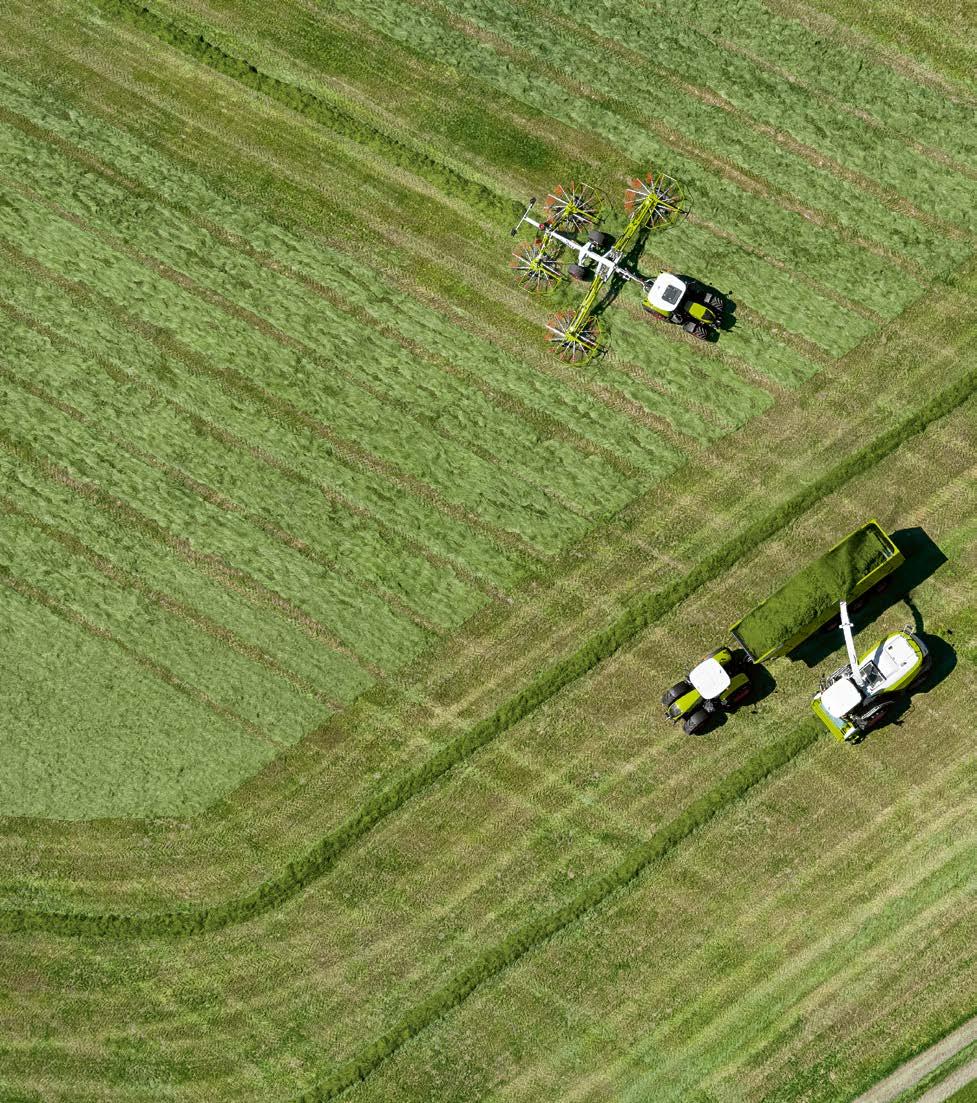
[
  {"x": 678, "y": 690},
  {"x": 697, "y": 722},
  {"x": 585, "y": 275},
  {"x": 697, "y": 330},
  {"x": 600, "y": 241},
  {"x": 740, "y": 696}
]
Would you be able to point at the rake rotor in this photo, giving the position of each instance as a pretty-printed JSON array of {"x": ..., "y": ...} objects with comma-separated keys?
[
  {"x": 662, "y": 195},
  {"x": 535, "y": 269},
  {"x": 573, "y": 207},
  {"x": 574, "y": 339}
]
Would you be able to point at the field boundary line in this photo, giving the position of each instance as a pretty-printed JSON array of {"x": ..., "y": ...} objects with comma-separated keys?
[
  {"x": 33, "y": 593},
  {"x": 534, "y": 933},
  {"x": 299, "y": 873}
]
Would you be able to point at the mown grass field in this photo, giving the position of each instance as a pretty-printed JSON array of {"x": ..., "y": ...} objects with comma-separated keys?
[{"x": 338, "y": 612}]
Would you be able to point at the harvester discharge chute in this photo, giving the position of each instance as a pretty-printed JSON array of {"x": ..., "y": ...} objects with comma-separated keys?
[{"x": 652, "y": 203}]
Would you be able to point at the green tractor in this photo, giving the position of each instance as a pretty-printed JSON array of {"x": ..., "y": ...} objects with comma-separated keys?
[
  {"x": 720, "y": 683},
  {"x": 866, "y": 692},
  {"x": 685, "y": 302}
]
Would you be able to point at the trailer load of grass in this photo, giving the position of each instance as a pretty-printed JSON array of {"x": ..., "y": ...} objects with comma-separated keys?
[{"x": 810, "y": 598}]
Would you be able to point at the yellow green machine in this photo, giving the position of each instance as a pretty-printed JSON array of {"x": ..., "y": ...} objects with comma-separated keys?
[
  {"x": 652, "y": 202},
  {"x": 805, "y": 603}
]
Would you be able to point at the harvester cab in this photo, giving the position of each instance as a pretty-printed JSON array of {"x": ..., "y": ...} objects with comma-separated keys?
[
  {"x": 718, "y": 684},
  {"x": 862, "y": 694},
  {"x": 685, "y": 302}
]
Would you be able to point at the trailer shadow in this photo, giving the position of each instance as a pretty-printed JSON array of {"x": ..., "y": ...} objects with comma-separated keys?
[{"x": 923, "y": 559}]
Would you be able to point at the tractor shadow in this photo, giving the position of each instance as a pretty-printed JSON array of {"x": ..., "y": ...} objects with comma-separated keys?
[
  {"x": 728, "y": 320},
  {"x": 923, "y": 559}
]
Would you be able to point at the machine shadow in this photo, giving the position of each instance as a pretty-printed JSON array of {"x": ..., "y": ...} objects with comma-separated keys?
[{"x": 923, "y": 559}]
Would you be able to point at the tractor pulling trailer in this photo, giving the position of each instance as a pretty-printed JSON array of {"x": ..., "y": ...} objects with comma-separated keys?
[{"x": 856, "y": 697}]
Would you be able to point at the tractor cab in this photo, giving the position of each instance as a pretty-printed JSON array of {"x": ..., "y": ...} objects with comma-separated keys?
[
  {"x": 718, "y": 684},
  {"x": 686, "y": 303}
]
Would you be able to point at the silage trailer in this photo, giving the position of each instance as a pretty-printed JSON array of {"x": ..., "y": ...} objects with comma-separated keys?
[{"x": 806, "y": 602}]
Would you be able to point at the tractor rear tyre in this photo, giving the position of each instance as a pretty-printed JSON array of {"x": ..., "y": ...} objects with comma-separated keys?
[
  {"x": 678, "y": 690},
  {"x": 578, "y": 272},
  {"x": 698, "y": 722},
  {"x": 600, "y": 241},
  {"x": 697, "y": 330}
]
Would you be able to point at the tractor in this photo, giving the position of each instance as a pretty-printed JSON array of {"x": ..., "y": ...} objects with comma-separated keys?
[
  {"x": 685, "y": 302},
  {"x": 865, "y": 692},
  {"x": 720, "y": 683}
]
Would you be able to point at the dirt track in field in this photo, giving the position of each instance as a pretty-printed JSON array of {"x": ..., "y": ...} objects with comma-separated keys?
[{"x": 910, "y": 1074}]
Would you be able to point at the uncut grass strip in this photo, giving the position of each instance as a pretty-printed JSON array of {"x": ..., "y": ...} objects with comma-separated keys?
[
  {"x": 348, "y": 405},
  {"x": 225, "y": 677},
  {"x": 233, "y": 578},
  {"x": 534, "y": 459},
  {"x": 127, "y": 579},
  {"x": 33, "y": 593},
  {"x": 303, "y": 870},
  {"x": 492, "y": 962},
  {"x": 274, "y": 405}
]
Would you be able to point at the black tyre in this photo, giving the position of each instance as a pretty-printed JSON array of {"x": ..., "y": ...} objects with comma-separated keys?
[
  {"x": 697, "y": 329},
  {"x": 877, "y": 717},
  {"x": 578, "y": 272},
  {"x": 600, "y": 241},
  {"x": 741, "y": 696},
  {"x": 678, "y": 690},
  {"x": 698, "y": 722}
]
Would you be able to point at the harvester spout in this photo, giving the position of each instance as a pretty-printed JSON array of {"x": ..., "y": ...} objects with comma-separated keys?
[{"x": 850, "y": 644}]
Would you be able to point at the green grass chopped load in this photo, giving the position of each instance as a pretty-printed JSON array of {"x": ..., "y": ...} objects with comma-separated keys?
[{"x": 813, "y": 592}]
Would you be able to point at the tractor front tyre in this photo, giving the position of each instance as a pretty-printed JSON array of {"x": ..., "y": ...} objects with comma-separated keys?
[
  {"x": 698, "y": 722},
  {"x": 670, "y": 696},
  {"x": 578, "y": 272}
]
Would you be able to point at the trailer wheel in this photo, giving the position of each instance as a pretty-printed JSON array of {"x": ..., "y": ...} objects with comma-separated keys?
[
  {"x": 578, "y": 272},
  {"x": 697, "y": 723},
  {"x": 678, "y": 690},
  {"x": 600, "y": 241}
]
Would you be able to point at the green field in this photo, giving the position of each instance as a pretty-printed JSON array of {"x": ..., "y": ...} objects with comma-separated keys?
[{"x": 338, "y": 610}]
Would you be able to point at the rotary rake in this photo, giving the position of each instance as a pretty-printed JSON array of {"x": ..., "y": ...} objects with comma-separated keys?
[{"x": 651, "y": 203}]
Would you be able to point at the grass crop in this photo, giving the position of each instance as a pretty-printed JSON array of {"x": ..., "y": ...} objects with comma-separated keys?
[{"x": 811, "y": 594}]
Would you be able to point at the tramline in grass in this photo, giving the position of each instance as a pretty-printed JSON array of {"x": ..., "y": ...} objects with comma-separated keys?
[{"x": 605, "y": 262}]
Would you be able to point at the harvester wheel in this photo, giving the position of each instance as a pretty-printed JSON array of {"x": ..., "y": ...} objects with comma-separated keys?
[
  {"x": 579, "y": 272},
  {"x": 678, "y": 690},
  {"x": 697, "y": 722},
  {"x": 600, "y": 241}
]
